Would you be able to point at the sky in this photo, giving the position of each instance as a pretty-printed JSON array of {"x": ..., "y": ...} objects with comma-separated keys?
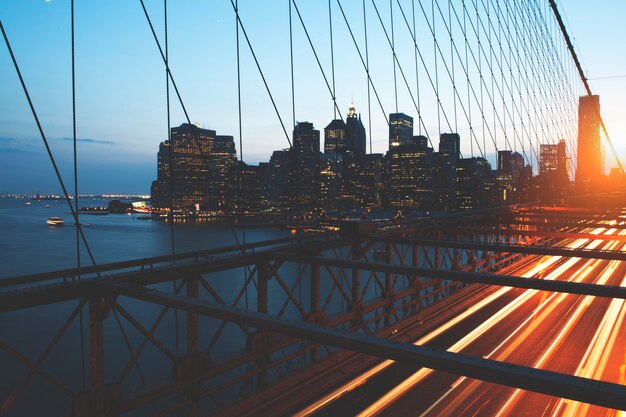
[{"x": 120, "y": 81}]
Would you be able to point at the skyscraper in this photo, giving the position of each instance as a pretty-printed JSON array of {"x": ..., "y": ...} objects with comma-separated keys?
[
  {"x": 355, "y": 132},
  {"x": 400, "y": 129},
  {"x": 589, "y": 166},
  {"x": 445, "y": 171},
  {"x": 279, "y": 181},
  {"x": 223, "y": 158},
  {"x": 306, "y": 146},
  {"x": 184, "y": 167},
  {"x": 410, "y": 175},
  {"x": 335, "y": 137}
]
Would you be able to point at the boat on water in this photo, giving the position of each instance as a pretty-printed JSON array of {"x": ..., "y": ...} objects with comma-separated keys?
[
  {"x": 28, "y": 203},
  {"x": 47, "y": 206},
  {"x": 55, "y": 221}
]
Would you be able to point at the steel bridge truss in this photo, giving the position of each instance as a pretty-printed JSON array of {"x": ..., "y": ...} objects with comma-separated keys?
[{"x": 221, "y": 331}]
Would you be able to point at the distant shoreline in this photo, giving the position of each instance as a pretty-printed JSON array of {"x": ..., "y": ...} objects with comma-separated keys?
[{"x": 61, "y": 197}]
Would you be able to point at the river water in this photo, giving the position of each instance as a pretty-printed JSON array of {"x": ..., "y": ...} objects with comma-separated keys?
[{"x": 28, "y": 245}]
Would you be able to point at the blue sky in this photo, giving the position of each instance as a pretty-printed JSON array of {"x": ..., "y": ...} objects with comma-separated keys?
[{"x": 121, "y": 94}]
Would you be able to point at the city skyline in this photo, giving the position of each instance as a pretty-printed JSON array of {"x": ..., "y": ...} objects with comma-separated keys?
[{"x": 117, "y": 131}]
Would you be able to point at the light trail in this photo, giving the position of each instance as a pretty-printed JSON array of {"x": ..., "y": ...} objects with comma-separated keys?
[
  {"x": 540, "y": 265},
  {"x": 418, "y": 376}
]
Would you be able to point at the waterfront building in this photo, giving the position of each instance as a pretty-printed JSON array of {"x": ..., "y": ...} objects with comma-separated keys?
[{"x": 184, "y": 168}]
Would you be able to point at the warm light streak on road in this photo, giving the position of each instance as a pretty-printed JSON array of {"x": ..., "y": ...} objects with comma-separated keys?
[
  {"x": 536, "y": 269},
  {"x": 541, "y": 266}
]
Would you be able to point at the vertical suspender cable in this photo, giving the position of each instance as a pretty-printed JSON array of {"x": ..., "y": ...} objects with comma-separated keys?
[
  {"x": 332, "y": 56},
  {"x": 293, "y": 88},
  {"x": 240, "y": 122},
  {"x": 417, "y": 78},
  {"x": 367, "y": 78},
  {"x": 170, "y": 167},
  {"x": 432, "y": 5},
  {"x": 239, "y": 171},
  {"x": 76, "y": 219},
  {"x": 393, "y": 56}
]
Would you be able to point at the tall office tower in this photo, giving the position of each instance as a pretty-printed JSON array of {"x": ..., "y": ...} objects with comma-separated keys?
[
  {"x": 589, "y": 167},
  {"x": 505, "y": 181},
  {"x": 400, "y": 129},
  {"x": 445, "y": 171},
  {"x": 553, "y": 176},
  {"x": 279, "y": 182},
  {"x": 335, "y": 137},
  {"x": 548, "y": 159},
  {"x": 355, "y": 132},
  {"x": 306, "y": 146},
  {"x": 223, "y": 158},
  {"x": 410, "y": 175},
  {"x": 473, "y": 179},
  {"x": 188, "y": 172}
]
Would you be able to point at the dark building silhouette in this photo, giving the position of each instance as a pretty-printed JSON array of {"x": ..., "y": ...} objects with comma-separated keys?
[
  {"x": 335, "y": 137},
  {"x": 355, "y": 132},
  {"x": 189, "y": 173},
  {"x": 247, "y": 193},
  {"x": 445, "y": 172},
  {"x": 306, "y": 147},
  {"x": 222, "y": 159},
  {"x": 472, "y": 183},
  {"x": 506, "y": 181},
  {"x": 372, "y": 181},
  {"x": 400, "y": 129},
  {"x": 553, "y": 177},
  {"x": 279, "y": 184},
  {"x": 589, "y": 164}
]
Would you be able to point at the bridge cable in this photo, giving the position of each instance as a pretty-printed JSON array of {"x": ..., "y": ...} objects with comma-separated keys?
[
  {"x": 367, "y": 66},
  {"x": 261, "y": 73},
  {"x": 319, "y": 63},
  {"x": 186, "y": 113},
  {"x": 332, "y": 54},
  {"x": 393, "y": 54},
  {"x": 170, "y": 168},
  {"x": 80, "y": 320},
  {"x": 399, "y": 66},
  {"x": 46, "y": 144},
  {"x": 417, "y": 78}
]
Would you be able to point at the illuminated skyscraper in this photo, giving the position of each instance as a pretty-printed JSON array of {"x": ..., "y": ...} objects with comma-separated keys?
[
  {"x": 589, "y": 167},
  {"x": 188, "y": 172},
  {"x": 410, "y": 175},
  {"x": 335, "y": 137},
  {"x": 400, "y": 129},
  {"x": 355, "y": 132}
]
